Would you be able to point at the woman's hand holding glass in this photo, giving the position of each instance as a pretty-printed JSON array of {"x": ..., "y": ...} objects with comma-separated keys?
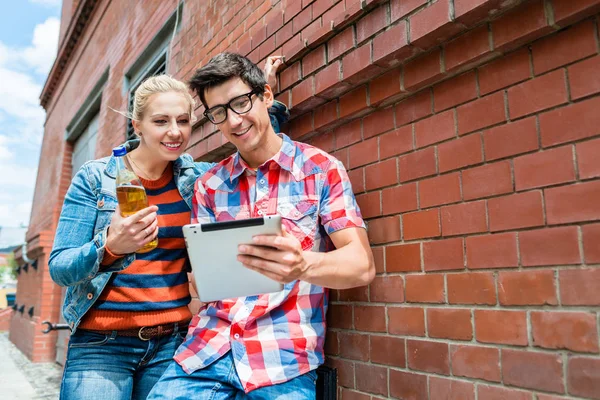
[{"x": 127, "y": 234}]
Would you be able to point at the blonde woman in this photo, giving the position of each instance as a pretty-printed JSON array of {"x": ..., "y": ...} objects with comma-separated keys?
[{"x": 128, "y": 312}]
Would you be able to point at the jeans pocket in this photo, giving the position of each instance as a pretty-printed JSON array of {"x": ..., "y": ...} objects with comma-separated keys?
[{"x": 88, "y": 339}]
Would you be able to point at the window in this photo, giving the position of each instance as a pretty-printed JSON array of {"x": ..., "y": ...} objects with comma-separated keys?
[{"x": 152, "y": 61}]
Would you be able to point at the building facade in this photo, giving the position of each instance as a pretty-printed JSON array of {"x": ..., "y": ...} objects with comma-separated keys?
[{"x": 471, "y": 133}]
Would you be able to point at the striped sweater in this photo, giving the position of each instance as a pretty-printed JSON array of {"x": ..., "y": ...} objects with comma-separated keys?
[{"x": 154, "y": 289}]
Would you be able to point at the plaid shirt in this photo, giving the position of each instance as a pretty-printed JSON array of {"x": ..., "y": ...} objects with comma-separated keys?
[{"x": 273, "y": 337}]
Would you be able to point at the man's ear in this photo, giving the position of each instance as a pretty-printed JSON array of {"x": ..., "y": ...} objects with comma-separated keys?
[{"x": 268, "y": 96}]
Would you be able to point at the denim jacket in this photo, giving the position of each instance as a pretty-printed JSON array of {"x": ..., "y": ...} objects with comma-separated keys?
[{"x": 80, "y": 237}]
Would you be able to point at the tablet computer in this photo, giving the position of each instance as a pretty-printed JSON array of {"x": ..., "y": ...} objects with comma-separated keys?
[{"x": 213, "y": 250}]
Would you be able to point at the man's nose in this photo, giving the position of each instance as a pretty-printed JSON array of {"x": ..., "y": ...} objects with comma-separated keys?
[{"x": 233, "y": 118}]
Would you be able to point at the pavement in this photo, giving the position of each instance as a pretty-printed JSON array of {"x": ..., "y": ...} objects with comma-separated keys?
[{"x": 21, "y": 379}]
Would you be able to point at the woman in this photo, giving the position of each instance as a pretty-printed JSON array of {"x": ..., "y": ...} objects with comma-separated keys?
[{"x": 128, "y": 312}]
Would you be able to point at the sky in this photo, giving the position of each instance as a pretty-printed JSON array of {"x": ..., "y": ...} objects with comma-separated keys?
[{"x": 29, "y": 32}]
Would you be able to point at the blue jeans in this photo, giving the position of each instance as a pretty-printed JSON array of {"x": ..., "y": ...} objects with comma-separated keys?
[
  {"x": 219, "y": 381},
  {"x": 112, "y": 367}
]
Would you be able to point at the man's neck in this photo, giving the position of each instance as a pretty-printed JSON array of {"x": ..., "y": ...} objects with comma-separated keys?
[{"x": 266, "y": 151}]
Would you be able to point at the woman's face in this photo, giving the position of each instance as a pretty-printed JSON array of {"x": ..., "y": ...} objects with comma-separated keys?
[{"x": 165, "y": 127}]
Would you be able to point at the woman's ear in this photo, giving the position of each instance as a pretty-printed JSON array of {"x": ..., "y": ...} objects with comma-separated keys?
[{"x": 136, "y": 127}]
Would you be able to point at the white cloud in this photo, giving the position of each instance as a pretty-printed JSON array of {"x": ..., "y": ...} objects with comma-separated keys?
[
  {"x": 47, "y": 3},
  {"x": 42, "y": 53}
]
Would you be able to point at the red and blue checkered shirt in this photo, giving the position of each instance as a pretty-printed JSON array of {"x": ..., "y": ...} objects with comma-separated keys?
[{"x": 273, "y": 337}]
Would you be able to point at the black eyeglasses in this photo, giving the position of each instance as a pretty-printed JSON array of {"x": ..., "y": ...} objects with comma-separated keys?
[{"x": 239, "y": 105}]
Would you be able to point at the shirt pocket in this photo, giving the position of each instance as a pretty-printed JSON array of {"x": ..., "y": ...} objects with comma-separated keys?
[
  {"x": 105, "y": 208},
  {"x": 300, "y": 219}
]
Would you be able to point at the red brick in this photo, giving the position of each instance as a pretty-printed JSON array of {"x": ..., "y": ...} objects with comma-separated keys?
[
  {"x": 425, "y": 288},
  {"x": 407, "y": 385},
  {"x": 432, "y": 24},
  {"x": 352, "y": 395},
  {"x": 545, "y": 168},
  {"x": 370, "y": 204},
  {"x": 421, "y": 224},
  {"x": 511, "y": 139},
  {"x": 384, "y": 230},
  {"x": 450, "y": 389},
  {"x": 515, "y": 211},
  {"x": 591, "y": 238},
  {"x": 313, "y": 61},
  {"x": 481, "y": 113},
  {"x": 538, "y": 94},
  {"x": 550, "y": 246},
  {"x": 378, "y": 122},
  {"x": 388, "y": 350},
  {"x": 292, "y": 8},
  {"x": 340, "y": 43},
  {"x": 487, "y": 180},
  {"x": 303, "y": 92},
  {"x": 443, "y": 255},
  {"x": 471, "y": 288},
  {"x": 360, "y": 293},
  {"x": 413, "y": 108},
  {"x": 397, "y": 142},
  {"x": 345, "y": 370},
  {"x": 325, "y": 116},
  {"x": 464, "y": 218},
  {"x": 575, "y": 331},
  {"x": 391, "y": 47},
  {"x": 328, "y": 82},
  {"x": 284, "y": 34},
  {"x": 379, "y": 259},
  {"x": 302, "y": 19},
  {"x": 334, "y": 13},
  {"x": 460, "y": 153},
  {"x": 354, "y": 102},
  {"x": 504, "y": 72},
  {"x": 320, "y": 6},
  {"x": 583, "y": 377},
  {"x": 492, "y": 251},
  {"x": 369, "y": 318},
  {"x": 289, "y": 76},
  {"x": 400, "y": 8},
  {"x": 428, "y": 356},
  {"x": 381, "y": 174},
  {"x": 387, "y": 289},
  {"x": 569, "y": 11},
  {"x": 531, "y": 370},
  {"x": 425, "y": 69},
  {"x": 399, "y": 199},
  {"x": 440, "y": 190},
  {"x": 340, "y": 316},
  {"x": 454, "y": 91},
  {"x": 476, "y": 362},
  {"x": 520, "y": 25},
  {"x": 354, "y": 346},
  {"x": 370, "y": 24},
  {"x": 363, "y": 153},
  {"x": 409, "y": 321},
  {"x": 301, "y": 126},
  {"x": 520, "y": 288},
  {"x": 573, "y": 203},
  {"x": 573, "y": 122},
  {"x": 385, "y": 87},
  {"x": 579, "y": 287},
  {"x": 403, "y": 258},
  {"x": 587, "y": 161},
  {"x": 468, "y": 11},
  {"x": 357, "y": 66},
  {"x": 584, "y": 79},
  {"x": 468, "y": 48},
  {"x": 347, "y": 134},
  {"x": 417, "y": 164},
  {"x": 434, "y": 129},
  {"x": 558, "y": 50},
  {"x": 500, "y": 393},
  {"x": 501, "y": 327},
  {"x": 449, "y": 324}
]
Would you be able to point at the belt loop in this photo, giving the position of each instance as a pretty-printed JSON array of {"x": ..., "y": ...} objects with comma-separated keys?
[
  {"x": 113, "y": 335},
  {"x": 176, "y": 328}
]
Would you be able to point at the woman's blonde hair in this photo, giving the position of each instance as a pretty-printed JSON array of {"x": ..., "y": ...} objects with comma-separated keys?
[{"x": 153, "y": 85}]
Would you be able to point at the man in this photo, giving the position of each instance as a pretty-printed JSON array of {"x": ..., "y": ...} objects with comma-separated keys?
[{"x": 267, "y": 346}]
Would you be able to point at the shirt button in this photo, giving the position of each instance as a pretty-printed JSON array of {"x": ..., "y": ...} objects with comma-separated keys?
[
  {"x": 100, "y": 203},
  {"x": 262, "y": 181},
  {"x": 260, "y": 212},
  {"x": 90, "y": 296},
  {"x": 236, "y": 336}
]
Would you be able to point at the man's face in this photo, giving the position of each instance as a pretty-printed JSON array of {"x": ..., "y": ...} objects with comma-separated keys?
[{"x": 249, "y": 132}]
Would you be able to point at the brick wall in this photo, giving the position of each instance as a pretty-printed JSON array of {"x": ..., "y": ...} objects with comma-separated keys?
[{"x": 470, "y": 132}]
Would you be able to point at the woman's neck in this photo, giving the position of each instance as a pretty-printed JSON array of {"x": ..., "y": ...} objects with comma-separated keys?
[{"x": 145, "y": 165}]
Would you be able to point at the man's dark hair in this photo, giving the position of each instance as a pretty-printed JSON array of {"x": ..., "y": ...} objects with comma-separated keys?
[{"x": 224, "y": 67}]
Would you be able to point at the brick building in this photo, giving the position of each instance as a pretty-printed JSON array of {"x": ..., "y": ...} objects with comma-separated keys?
[{"x": 471, "y": 132}]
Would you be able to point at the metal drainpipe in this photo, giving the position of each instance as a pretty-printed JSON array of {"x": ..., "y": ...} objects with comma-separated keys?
[{"x": 24, "y": 254}]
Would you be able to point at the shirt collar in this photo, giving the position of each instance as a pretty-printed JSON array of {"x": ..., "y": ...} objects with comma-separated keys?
[{"x": 284, "y": 158}]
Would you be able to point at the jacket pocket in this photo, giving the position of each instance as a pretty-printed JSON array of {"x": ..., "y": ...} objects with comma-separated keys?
[{"x": 105, "y": 208}]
